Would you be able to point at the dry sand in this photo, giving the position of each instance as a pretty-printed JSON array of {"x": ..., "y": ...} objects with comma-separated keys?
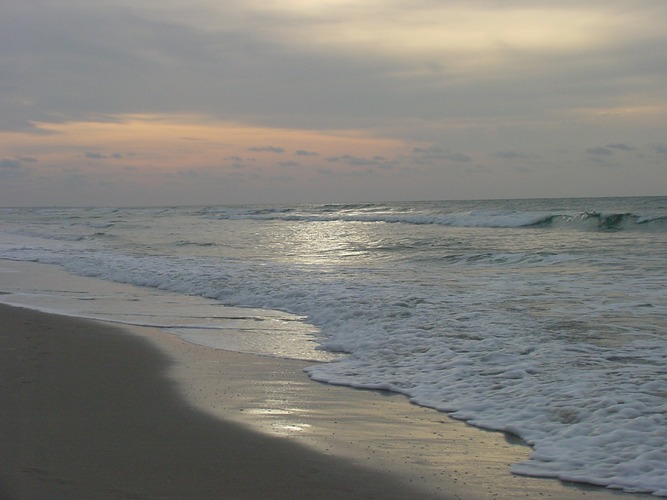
[{"x": 89, "y": 410}]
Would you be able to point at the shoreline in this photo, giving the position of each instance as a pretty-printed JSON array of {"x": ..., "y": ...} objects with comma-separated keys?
[{"x": 92, "y": 410}]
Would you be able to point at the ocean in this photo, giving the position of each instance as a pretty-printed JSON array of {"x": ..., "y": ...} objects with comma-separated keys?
[{"x": 544, "y": 318}]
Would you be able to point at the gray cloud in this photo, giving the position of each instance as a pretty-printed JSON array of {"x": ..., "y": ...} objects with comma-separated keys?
[
  {"x": 509, "y": 155},
  {"x": 303, "y": 152},
  {"x": 10, "y": 164},
  {"x": 432, "y": 155},
  {"x": 600, "y": 151},
  {"x": 13, "y": 169},
  {"x": 458, "y": 157},
  {"x": 428, "y": 151},
  {"x": 356, "y": 161},
  {"x": 16, "y": 164},
  {"x": 194, "y": 67},
  {"x": 94, "y": 155},
  {"x": 621, "y": 147},
  {"x": 267, "y": 149},
  {"x": 427, "y": 156}
]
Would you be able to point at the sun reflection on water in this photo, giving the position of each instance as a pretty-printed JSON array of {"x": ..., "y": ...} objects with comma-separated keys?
[{"x": 322, "y": 243}]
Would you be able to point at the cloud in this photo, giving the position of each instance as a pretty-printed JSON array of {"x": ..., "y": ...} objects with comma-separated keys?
[
  {"x": 303, "y": 152},
  {"x": 267, "y": 149},
  {"x": 443, "y": 59},
  {"x": 356, "y": 161},
  {"x": 10, "y": 164},
  {"x": 621, "y": 147},
  {"x": 434, "y": 154},
  {"x": 427, "y": 156},
  {"x": 288, "y": 164},
  {"x": 13, "y": 168},
  {"x": 509, "y": 155},
  {"x": 428, "y": 151},
  {"x": 600, "y": 151},
  {"x": 16, "y": 164},
  {"x": 93, "y": 155},
  {"x": 458, "y": 157},
  {"x": 350, "y": 160}
]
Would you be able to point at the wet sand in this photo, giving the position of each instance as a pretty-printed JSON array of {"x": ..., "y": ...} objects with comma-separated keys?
[{"x": 89, "y": 410}]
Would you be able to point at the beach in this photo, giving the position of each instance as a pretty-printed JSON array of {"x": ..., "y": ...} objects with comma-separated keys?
[
  {"x": 90, "y": 410},
  {"x": 543, "y": 318}
]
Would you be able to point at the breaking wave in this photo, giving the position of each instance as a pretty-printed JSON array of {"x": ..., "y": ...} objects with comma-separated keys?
[{"x": 583, "y": 221}]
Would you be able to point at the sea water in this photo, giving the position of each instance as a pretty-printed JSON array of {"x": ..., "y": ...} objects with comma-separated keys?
[{"x": 543, "y": 318}]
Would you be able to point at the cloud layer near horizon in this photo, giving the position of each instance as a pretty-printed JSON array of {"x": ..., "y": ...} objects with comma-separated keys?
[{"x": 145, "y": 103}]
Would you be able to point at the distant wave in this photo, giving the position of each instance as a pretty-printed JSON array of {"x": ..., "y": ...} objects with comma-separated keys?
[
  {"x": 606, "y": 222},
  {"x": 584, "y": 221}
]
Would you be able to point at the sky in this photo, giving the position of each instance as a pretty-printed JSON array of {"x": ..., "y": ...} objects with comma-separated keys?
[{"x": 200, "y": 102}]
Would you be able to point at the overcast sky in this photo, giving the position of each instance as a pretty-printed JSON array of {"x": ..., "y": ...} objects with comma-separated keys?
[{"x": 137, "y": 102}]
